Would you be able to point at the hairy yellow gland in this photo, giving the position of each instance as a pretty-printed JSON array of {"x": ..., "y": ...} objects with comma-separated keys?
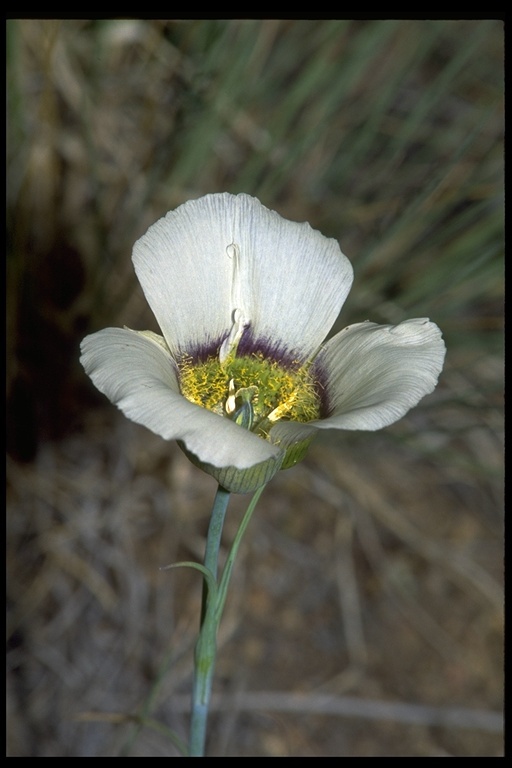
[{"x": 253, "y": 391}]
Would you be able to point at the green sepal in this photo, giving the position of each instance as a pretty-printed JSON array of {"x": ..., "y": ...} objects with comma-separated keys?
[
  {"x": 295, "y": 453},
  {"x": 239, "y": 480}
]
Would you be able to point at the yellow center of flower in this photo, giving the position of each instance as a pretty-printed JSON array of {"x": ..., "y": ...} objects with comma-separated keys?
[{"x": 252, "y": 391}]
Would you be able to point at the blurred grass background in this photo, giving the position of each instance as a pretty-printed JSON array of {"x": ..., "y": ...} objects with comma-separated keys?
[{"x": 374, "y": 570}]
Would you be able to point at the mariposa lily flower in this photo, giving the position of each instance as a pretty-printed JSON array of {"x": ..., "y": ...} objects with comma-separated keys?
[{"x": 240, "y": 376}]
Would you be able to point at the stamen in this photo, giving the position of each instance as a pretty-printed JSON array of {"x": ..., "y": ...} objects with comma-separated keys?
[
  {"x": 233, "y": 253},
  {"x": 283, "y": 408},
  {"x": 229, "y": 346},
  {"x": 230, "y": 402}
]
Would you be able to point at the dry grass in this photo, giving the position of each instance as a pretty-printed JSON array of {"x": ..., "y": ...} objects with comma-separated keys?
[
  {"x": 348, "y": 585},
  {"x": 365, "y": 616}
]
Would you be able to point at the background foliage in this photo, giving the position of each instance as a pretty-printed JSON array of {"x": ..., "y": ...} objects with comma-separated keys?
[{"x": 374, "y": 570}]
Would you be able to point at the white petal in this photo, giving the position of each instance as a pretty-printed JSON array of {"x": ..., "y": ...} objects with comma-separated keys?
[
  {"x": 185, "y": 272},
  {"x": 288, "y": 433},
  {"x": 223, "y": 253},
  {"x": 293, "y": 280},
  {"x": 140, "y": 377},
  {"x": 375, "y": 373}
]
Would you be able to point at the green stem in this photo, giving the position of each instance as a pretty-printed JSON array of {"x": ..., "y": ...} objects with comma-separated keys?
[
  {"x": 204, "y": 659},
  {"x": 211, "y": 554},
  {"x": 213, "y": 605},
  {"x": 228, "y": 568}
]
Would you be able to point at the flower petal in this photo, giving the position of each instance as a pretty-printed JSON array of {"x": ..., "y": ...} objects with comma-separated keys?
[
  {"x": 293, "y": 280},
  {"x": 225, "y": 252},
  {"x": 185, "y": 272},
  {"x": 135, "y": 372},
  {"x": 375, "y": 373}
]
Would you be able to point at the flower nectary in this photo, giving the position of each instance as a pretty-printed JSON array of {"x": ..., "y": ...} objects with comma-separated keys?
[{"x": 253, "y": 391}]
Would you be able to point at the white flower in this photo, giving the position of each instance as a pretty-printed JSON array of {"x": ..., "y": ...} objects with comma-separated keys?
[{"x": 239, "y": 376}]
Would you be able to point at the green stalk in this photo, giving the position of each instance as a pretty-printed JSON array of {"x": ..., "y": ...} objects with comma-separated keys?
[
  {"x": 204, "y": 659},
  {"x": 228, "y": 568},
  {"x": 213, "y": 604}
]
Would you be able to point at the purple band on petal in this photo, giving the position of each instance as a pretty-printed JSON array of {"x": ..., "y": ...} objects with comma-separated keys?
[
  {"x": 248, "y": 345},
  {"x": 268, "y": 348},
  {"x": 321, "y": 380},
  {"x": 205, "y": 350}
]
